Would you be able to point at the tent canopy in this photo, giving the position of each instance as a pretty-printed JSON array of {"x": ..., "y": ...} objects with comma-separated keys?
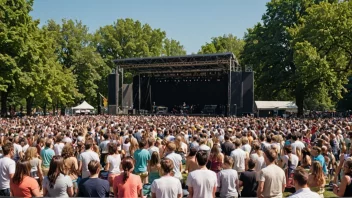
[
  {"x": 279, "y": 105},
  {"x": 83, "y": 106}
]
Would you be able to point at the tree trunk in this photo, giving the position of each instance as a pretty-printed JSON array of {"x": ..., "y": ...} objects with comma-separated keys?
[
  {"x": 99, "y": 103},
  {"x": 299, "y": 99},
  {"x": 3, "y": 103},
  {"x": 29, "y": 103},
  {"x": 53, "y": 109},
  {"x": 44, "y": 109}
]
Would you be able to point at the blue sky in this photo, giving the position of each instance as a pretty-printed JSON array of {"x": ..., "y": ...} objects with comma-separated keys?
[{"x": 192, "y": 22}]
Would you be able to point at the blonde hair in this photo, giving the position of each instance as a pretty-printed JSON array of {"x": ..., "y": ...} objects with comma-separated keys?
[
  {"x": 134, "y": 146},
  {"x": 317, "y": 172},
  {"x": 31, "y": 153}
]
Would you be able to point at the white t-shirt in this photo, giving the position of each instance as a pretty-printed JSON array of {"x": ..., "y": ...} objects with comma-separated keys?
[
  {"x": 7, "y": 167},
  {"x": 204, "y": 147},
  {"x": 239, "y": 157},
  {"x": 85, "y": 158},
  {"x": 152, "y": 149},
  {"x": 294, "y": 161},
  {"x": 126, "y": 148},
  {"x": 114, "y": 162},
  {"x": 228, "y": 181},
  {"x": 167, "y": 186},
  {"x": 18, "y": 150},
  {"x": 104, "y": 146},
  {"x": 297, "y": 144},
  {"x": 25, "y": 147},
  {"x": 247, "y": 148},
  {"x": 177, "y": 160},
  {"x": 58, "y": 148},
  {"x": 202, "y": 182}
]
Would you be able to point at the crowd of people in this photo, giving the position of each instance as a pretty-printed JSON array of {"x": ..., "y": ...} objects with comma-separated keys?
[{"x": 174, "y": 156}]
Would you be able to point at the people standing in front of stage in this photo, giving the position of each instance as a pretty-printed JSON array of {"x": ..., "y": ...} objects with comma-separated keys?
[
  {"x": 227, "y": 147},
  {"x": 104, "y": 149},
  {"x": 167, "y": 186},
  {"x": 246, "y": 147},
  {"x": 7, "y": 169},
  {"x": 175, "y": 158},
  {"x": 202, "y": 183},
  {"x": 142, "y": 157},
  {"x": 194, "y": 143},
  {"x": 228, "y": 179},
  {"x": 152, "y": 147},
  {"x": 85, "y": 157},
  {"x": 239, "y": 157}
]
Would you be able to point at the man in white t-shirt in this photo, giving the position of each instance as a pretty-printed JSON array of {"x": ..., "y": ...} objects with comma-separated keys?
[
  {"x": 202, "y": 182},
  {"x": 7, "y": 169},
  {"x": 59, "y": 145},
  {"x": 152, "y": 148},
  {"x": 17, "y": 149},
  {"x": 240, "y": 157},
  {"x": 297, "y": 144},
  {"x": 175, "y": 158},
  {"x": 167, "y": 185},
  {"x": 85, "y": 157}
]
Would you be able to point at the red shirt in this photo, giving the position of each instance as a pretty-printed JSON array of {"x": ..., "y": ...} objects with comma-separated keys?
[
  {"x": 25, "y": 188},
  {"x": 130, "y": 188}
]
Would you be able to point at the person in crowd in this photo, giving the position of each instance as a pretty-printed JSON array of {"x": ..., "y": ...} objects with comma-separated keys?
[
  {"x": 202, "y": 182},
  {"x": 271, "y": 175},
  {"x": 181, "y": 148},
  {"x": 316, "y": 179},
  {"x": 36, "y": 168},
  {"x": 7, "y": 169},
  {"x": 70, "y": 165},
  {"x": 103, "y": 148},
  {"x": 227, "y": 147},
  {"x": 191, "y": 163},
  {"x": 57, "y": 184},
  {"x": 128, "y": 184},
  {"x": 126, "y": 146},
  {"x": 59, "y": 145},
  {"x": 175, "y": 158},
  {"x": 297, "y": 144},
  {"x": 22, "y": 184},
  {"x": 300, "y": 178},
  {"x": 248, "y": 180},
  {"x": 290, "y": 162},
  {"x": 152, "y": 147},
  {"x": 47, "y": 154},
  {"x": 316, "y": 153},
  {"x": 345, "y": 188},
  {"x": 306, "y": 160},
  {"x": 154, "y": 167},
  {"x": 257, "y": 156},
  {"x": 240, "y": 157},
  {"x": 142, "y": 157},
  {"x": 246, "y": 147},
  {"x": 194, "y": 143},
  {"x": 85, "y": 157},
  {"x": 228, "y": 179},
  {"x": 167, "y": 185},
  {"x": 18, "y": 151},
  {"x": 133, "y": 146},
  {"x": 93, "y": 186},
  {"x": 113, "y": 162},
  {"x": 216, "y": 159}
]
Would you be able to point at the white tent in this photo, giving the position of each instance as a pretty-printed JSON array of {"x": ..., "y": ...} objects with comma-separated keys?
[
  {"x": 83, "y": 106},
  {"x": 279, "y": 105}
]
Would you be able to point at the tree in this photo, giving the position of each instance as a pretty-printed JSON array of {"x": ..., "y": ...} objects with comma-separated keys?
[
  {"x": 15, "y": 22},
  {"x": 78, "y": 55},
  {"x": 323, "y": 51},
  {"x": 270, "y": 50},
  {"x": 172, "y": 47},
  {"x": 225, "y": 43}
]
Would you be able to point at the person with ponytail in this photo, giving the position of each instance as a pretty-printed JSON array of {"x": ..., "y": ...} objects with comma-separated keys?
[
  {"x": 56, "y": 184},
  {"x": 128, "y": 184}
]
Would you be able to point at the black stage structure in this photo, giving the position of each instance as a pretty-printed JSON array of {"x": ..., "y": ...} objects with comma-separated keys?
[{"x": 192, "y": 81}]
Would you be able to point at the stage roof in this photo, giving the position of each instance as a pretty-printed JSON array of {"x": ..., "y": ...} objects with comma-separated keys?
[{"x": 175, "y": 64}]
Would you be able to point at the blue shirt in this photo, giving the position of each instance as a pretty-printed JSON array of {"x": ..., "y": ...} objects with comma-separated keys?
[
  {"x": 47, "y": 154},
  {"x": 321, "y": 160},
  {"x": 142, "y": 156}
]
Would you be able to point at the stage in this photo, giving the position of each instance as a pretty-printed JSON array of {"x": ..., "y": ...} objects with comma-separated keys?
[{"x": 195, "y": 85}]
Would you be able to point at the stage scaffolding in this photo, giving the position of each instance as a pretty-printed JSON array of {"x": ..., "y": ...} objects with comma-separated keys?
[{"x": 222, "y": 62}]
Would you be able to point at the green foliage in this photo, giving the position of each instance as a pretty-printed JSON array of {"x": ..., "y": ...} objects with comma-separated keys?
[
  {"x": 225, "y": 43},
  {"x": 286, "y": 55},
  {"x": 173, "y": 48}
]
